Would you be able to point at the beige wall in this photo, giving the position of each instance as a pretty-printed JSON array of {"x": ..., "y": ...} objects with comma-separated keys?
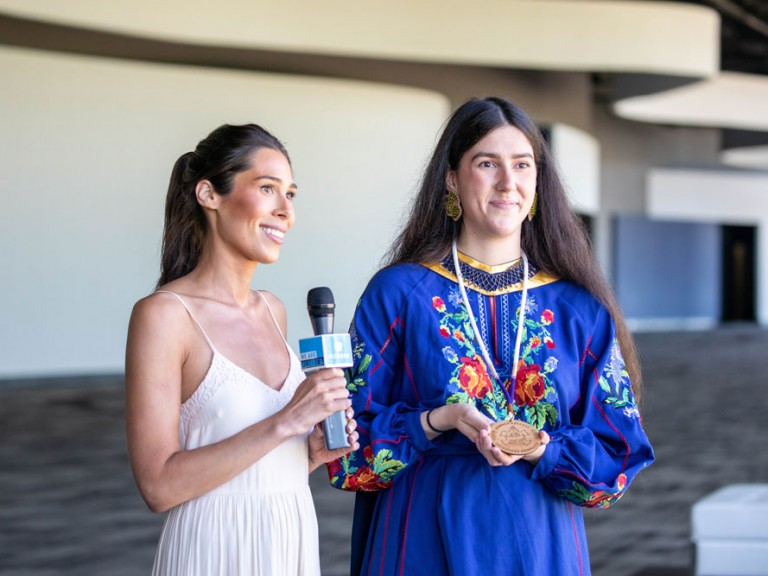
[{"x": 86, "y": 149}]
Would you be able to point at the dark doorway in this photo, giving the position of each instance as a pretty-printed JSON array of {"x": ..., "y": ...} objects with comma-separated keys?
[{"x": 738, "y": 273}]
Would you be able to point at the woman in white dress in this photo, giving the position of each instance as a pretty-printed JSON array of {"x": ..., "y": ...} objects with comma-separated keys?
[{"x": 221, "y": 421}]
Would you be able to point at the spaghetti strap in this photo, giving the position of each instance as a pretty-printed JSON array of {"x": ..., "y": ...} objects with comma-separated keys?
[
  {"x": 269, "y": 308},
  {"x": 180, "y": 299}
]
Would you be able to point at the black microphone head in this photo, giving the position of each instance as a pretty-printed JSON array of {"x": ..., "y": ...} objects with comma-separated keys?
[
  {"x": 320, "y": 302},
  {"x": 321, "y": 306}
]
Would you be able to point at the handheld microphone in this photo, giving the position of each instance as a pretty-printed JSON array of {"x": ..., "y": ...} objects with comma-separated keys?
[
  {"x": 326, "y": 350},
  {"x": 321, "y": 307}
]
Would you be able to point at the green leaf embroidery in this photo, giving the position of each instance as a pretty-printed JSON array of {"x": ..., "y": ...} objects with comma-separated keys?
[{"x": 364, "y": 363}]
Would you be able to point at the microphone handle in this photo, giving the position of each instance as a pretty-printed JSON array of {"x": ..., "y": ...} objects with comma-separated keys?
[
  {"x": 321, "y": 316},
  {"x": 334, "y": 429},
  {"x": 334, "y": 425}
]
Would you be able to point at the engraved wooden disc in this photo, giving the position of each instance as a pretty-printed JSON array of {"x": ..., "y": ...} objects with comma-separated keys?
[{"x": 515, "y": 437}]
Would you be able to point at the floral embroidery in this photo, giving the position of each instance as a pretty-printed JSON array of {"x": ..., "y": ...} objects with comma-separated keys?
[
  {"x": 614, "y": 381},
  {"x": 355, "y": 379},
  {"x": 379, "y": 467},
  {"x": 580, "y": 495},
  {"x": 474, "y": 378},
  {"x": 376, "y": 474},
  {"x": 535, "y": 397},
  {"x": 450, "y": 354},
  {"x": 530, "y": 387},
  {"x": 551, "y": 364}
]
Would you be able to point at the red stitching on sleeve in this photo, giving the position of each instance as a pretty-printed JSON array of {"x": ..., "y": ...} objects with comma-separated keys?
[{"x": 616, "y": 430}]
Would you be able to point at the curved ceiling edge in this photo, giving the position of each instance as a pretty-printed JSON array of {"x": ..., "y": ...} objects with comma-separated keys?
[
  {"x": 584, "y": 35},
  {"x": 752, "y": 157},
  {"x": 729, "y": 100}
]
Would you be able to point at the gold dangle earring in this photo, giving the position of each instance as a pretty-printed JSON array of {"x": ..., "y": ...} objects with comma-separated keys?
[
  {"x": 453, "y": 207},
  {"x": 532, "y": 212}
]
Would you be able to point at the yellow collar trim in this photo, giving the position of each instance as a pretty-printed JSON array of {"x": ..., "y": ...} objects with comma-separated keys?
[
  {"x": 485, "y": 267},
  {"x": 539, "y": 279}
]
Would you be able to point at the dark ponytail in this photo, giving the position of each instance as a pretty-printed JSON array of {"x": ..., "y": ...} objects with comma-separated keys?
[
  {"x": 218, "y": 158},
  {"x": 184, "y": 230}
]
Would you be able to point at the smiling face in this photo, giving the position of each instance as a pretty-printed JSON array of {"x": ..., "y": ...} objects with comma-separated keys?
[
  {"x": 496, "y": 184},
  {"x": 253, "y": 218}
]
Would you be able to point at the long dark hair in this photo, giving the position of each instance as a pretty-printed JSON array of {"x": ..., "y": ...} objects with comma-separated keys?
[
  {"x": 221, "y": 155},
  {"x": 555, "y": 239}
]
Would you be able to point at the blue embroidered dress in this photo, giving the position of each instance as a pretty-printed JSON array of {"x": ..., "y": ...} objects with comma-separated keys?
[{"x": 440, "y": 508}]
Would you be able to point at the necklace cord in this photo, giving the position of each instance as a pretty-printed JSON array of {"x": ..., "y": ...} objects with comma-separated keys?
[{"x": 479, "y": 339}]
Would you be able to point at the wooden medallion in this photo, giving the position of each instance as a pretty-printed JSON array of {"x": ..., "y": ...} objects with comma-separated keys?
[{"x": 515, "y": 437}]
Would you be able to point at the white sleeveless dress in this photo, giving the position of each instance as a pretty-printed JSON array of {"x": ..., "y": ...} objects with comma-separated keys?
[{"x": 261, "y": 522}]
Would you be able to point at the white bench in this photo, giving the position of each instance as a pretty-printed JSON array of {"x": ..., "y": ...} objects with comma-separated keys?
[{"x": 730, "y": 531}]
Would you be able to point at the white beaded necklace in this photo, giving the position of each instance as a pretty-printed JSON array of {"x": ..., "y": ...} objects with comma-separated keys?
[{"x": 479, "y": 339}]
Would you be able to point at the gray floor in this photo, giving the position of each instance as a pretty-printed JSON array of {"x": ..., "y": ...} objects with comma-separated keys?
[{"x": 68, "y": 504}]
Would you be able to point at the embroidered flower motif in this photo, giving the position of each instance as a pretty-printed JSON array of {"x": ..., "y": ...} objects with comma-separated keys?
[
  {"x": 356, "y": 376},
  {"x": 535, "y": 400},
  {"x": 614, "y": 369},
  {"x": 531, "y": 307},
  {"x": 333, "y": 467},
  {"x": 450, "y": 354},
  {"x": 631, "y": 412},
  {"x": 582, "y": 496},
  {"x": 474, "y": 377},
  {"x": 375, "y": 474},
  {"x": 614, "y": 381},
  {"x": 550, "y": 365},
  {"x": 530, "y": 386},
  {"x": 600, "y": 499},
  {"x": 364, "y": 479}
]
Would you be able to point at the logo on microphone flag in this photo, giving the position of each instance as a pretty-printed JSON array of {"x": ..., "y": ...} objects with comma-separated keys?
[{"x": 325, "y": 351}]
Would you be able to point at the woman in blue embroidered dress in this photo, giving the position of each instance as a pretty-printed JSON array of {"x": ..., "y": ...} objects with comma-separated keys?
[{"x": 492, "y": 307}]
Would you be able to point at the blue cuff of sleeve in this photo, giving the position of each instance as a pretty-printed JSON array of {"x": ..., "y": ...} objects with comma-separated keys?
[
  {"x": 416, "y": 432},
  {"x": 547, "y": 463}
]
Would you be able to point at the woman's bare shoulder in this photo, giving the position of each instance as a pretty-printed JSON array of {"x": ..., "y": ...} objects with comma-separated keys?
[
  {"x": 272, "y": 300},
  {"x": 278, "y": 310},
  {"x": 159, "y": 311}
]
